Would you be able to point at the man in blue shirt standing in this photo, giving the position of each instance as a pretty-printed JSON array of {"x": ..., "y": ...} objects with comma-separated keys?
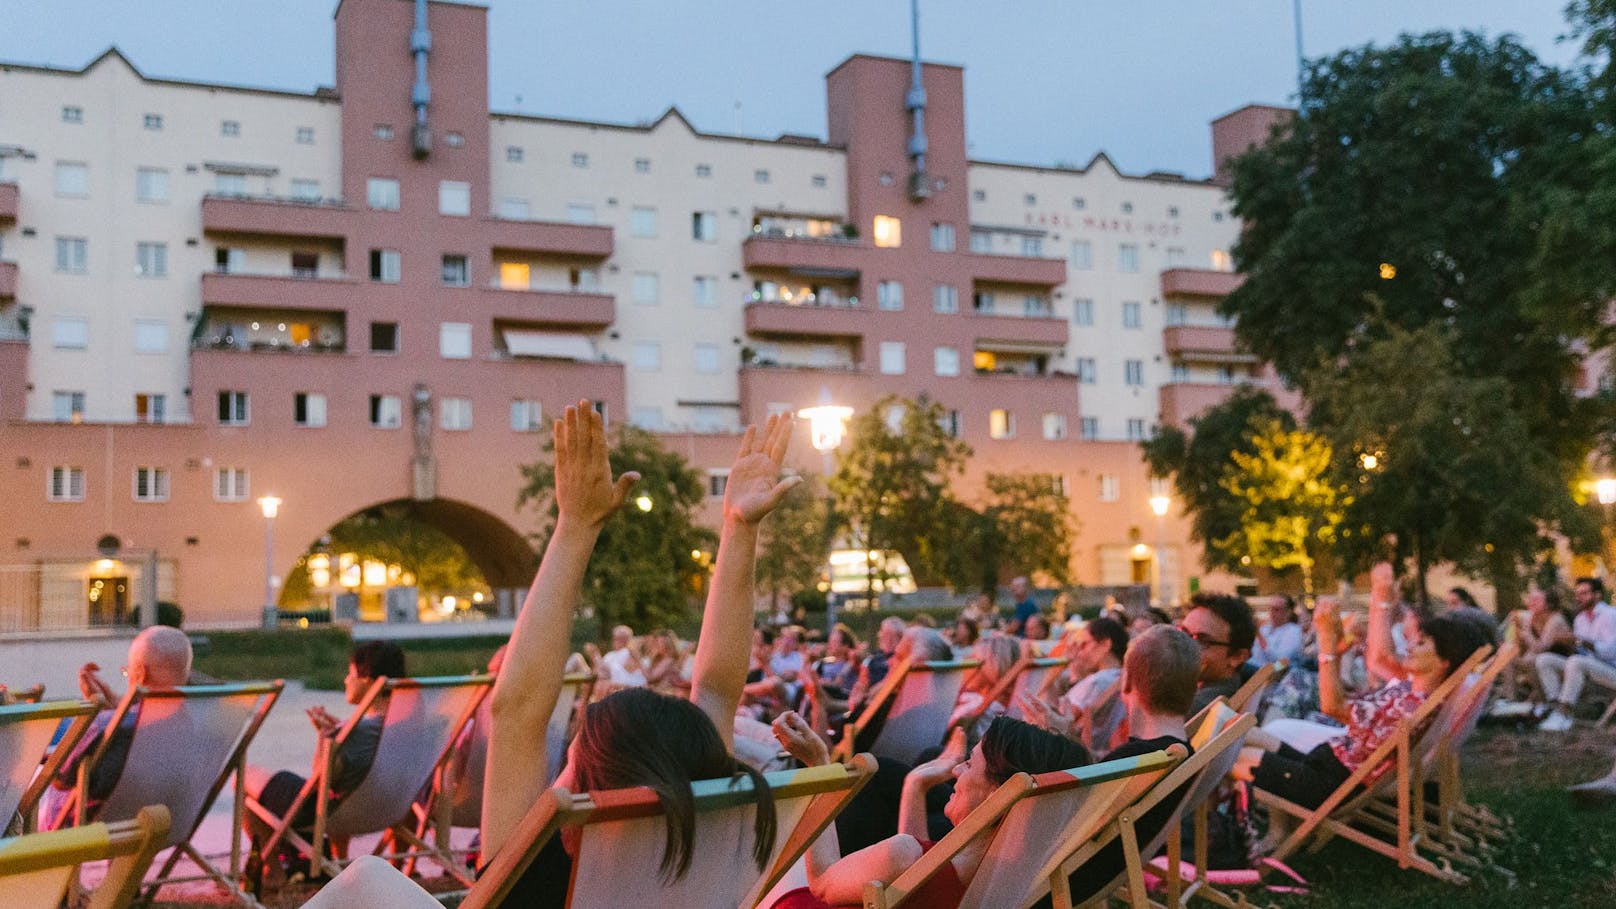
[{"x": 1021, "y": 593}]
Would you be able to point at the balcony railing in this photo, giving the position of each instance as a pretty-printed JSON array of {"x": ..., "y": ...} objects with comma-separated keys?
[
  {"x": 8, "y": 280},
  {"x": 276, "y": 216},
  {"x": 286, "y": 347},
  {"x": 8, "y": 202}
]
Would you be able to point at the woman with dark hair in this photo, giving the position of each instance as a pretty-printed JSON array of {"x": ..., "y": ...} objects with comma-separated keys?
[
  {"x": 632, "y": 737},
  {"x": 1007, "y": 748}
]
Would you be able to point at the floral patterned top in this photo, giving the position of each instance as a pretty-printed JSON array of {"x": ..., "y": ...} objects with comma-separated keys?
[{"x": 1372, "y": 719}]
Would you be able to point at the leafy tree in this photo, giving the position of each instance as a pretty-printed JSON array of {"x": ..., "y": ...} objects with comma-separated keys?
[
  {"x": 390, "y": 534},
  {"x": 892, "y": 489},
  {"x": 642, "y": 573},
  {"x": 1199, "y": 459},
  {"x": 795, "y": 542},
  {"x": 1294, "y": 501},
  {"x": 1032, "y": 525}
]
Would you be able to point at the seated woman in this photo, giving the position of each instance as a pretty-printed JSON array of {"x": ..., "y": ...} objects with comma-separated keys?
[
  {"x": 1540, "y": 628},
  {"x": 998, "y": 653},
  {"x": 635, "y": 737},
  {"x": 663, "y": 664},
  {"x": 1296, "y": 765},
  {"x": 1007, "y": 747}
]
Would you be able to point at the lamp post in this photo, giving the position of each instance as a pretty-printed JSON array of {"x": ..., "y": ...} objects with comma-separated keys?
[
  {"x": 271, "y": 506},
  {"x": 827, "y": 424},
  {"x": 1159, "y": 504}
]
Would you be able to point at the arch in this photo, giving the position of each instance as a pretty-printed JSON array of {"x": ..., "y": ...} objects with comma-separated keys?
[{"x": 502, "y": 553}]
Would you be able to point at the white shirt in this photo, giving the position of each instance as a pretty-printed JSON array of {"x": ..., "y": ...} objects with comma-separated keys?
[
  {"x": 1598, "y": 627},
  {"x": 1085, "y": 694},
  {"x": 617, "y": 665},
  {"x": 1282, "y": 643}
]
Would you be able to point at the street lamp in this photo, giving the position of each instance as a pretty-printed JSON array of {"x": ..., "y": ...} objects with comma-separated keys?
[
  {"x": 272, "y": 507},
  {"x": 827, "y": 423},
  {"x": 1605, "y": 490},
  {"x": 643, "y": 503},
  {"x": 1159, "y": 504}
]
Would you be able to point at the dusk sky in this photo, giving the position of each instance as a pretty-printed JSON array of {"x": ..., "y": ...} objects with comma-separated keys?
[{"x": 1046, "y": 81}]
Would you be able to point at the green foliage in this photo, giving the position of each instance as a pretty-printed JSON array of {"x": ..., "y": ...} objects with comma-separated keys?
[
  {"x": 892, "y": 488},
  {"x": 318, "y": 657},
  {"x": 390, "y": 534},
  {"x": 1032, "y": 527},
  {"x": 795, "y": 541},
  {"x": 642, "y": 572},
  {"x": 1294, "y": 502}
]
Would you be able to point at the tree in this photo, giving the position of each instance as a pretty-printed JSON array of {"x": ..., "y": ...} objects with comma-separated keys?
[
  {"x": 1032, "y": 526},
  {"x": 1199, "y": 459},
  {"x": 650, "y": 559},
  {"x": 1294, "y": 501},
  {"x": 794, "y": 543},
  {"x": 892, "y": 489},
  {"x": 390, "y": 534}
]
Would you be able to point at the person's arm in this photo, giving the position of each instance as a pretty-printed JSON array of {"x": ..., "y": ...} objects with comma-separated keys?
[
  {"x": 1332, "y": 694},
  {"x": 1380, "y": 654},
  {"x": 725, "y": 644},
  {"x": 842, "y": 884},
  {"x": 1604, "y": 641},
  {"x": 529, "y": 684},
  {"x": 921, "y": 780}
]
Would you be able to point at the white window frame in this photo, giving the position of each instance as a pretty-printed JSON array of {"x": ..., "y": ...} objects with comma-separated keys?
[
  {"x": 642, "y": 222},
  {"x": 304, "y": 190},
  {"x": 1133, "y": 372},
  {"x": 454, "y": 340},
  {"x": 386, "y": 411},
  {"x": 1054, "y": 426},
  {"x": 1088, "y": 428},
  {"x": 151, "y": 185},
  {"x": 704, "y": 226},
  {"x": 1088, "y": 372},
  {"x": 391, "y": 269},
  {"x": 945, "y": 299},
  {"x": 645, "y": 288},
  {"x": 454, "y": 414},
  {"x": 70, "y": 333},
  {"x": 704, "y": 291},
  {"x": 1082, "y": 255},
  {"x": 1128, "y": 257},
  {"x": 646, "y": 356},
  {"x": 155, "y": 481},
  {"x": 72, "y": 180},
  {"x": 236, "y": 410},
  {"x": 527, "y": 415},
  {"x": 382, "y": 194},
  {"x": 889, "y": 295},
  {"x": 943, "y": 237},
  {"x": 72, "y": 255},
  {"x": 1001, "y": 424},
  {"x": 151, "y": 336},
  {"x": 64, "y": 483},
  {"x": 892, "y": 357},
  {"x": 460, "y": 260},
  {"x": 454, "y": 198},
  {"x": 946, "y": 361},
  {"x": 74, "y": 409},
  {"x": 314, "y": 409},
  {"x": 1110, "y": 487},
  {"x": 151, "y": 259},
  {"x": 707, "y": 358},
  {"x": 231, "y": 484},
  {"x": 1133, "y": 314}
]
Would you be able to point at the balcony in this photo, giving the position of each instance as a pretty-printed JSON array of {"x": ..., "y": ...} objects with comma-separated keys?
[
  {"x": 8, "y": 280},
  {"x": 556, "y": 238},
  {"x": 13, "y": 374},
  {"x": 8, "y": 202},
  {"x": 1214, "y": 343},
  {"x": 1028, "y": 271},
  {"x": 269, "y": 216},
  {"x": 280, "y": 291},
  {"x": 801, "y": 386},
  {"x": 1182, "y": 401},
  {"x": 1199, "y": 282},
  {"x": 572, "y": 309},
  {"x": 807, "y": 256},
  {"x": 1000, "y": 331},
  {"x": 784, "y": 320}
]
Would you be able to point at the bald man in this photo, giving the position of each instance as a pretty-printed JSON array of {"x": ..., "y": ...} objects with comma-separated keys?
[{"x": 159, "y": 657}]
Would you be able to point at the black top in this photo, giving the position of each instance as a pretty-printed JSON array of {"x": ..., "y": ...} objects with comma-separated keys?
[{"x": 543, "y": 885}]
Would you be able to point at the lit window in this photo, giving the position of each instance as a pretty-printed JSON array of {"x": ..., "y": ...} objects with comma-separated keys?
[
  {"x": 151, "y": 184},
  {"x": 984, "y": 361},
  {"x": 456, "y": 271},
  {"x": 230, "y": 484},
  {"x": 1128, "y": 257},
  {"x": 1110, "y": 487},
  {"x": 527, "y": 416},
  {"x": 888, "y": 231},
  {"x": 1132, "y": 315},
  {"x": 308, "y": 408},
  {"x": 580, "y": 159},
  {"x": 889, "y": 295},
  {"x": 151, "y": 484},
  {"x": 1054, "y": 426},
  {"x": 454, "y": 198},
  {"x": 152, "y": 121},
  {"x": 233, "y": 409},
  {"x": 1083, "y": 311},
  {"x": 1133, "y": 372},
  {"x": 72, "y": 179},
  {"x": 1221, "y": 260},
  {"x": 230, "y": 128},
  {"x": 642, "y": 165},
  {"x": 70, "y": 333},
  {"x": 151, "y": 260},
  {"x": 151, "y": 336},
  {"x": 704, "y": 226},
  {"x": 515, "y": 275},
  {"x": 386, "y": 411},
  {"x": 66, "y": 484},
  {"x": 946, "y": 361},
  {"x": 1089, "y": 428},
  {"x": 945, "y": 298},
  {"x": 305, "y": 135},
  {"x": 1001, "y": 424},
  {"x": 942, "y": 237},
  {"x": 72, "y": 113},
  {"x": 454, "y": 414},
  {"x": 706, "y": 358},
  {"x": 892, "y": 358},
  {"x": 1086, "y": 372},
  {"x": 454, "y": 340},
  {"x": 642, "y": 222},
  {"x": 381, "y": 193},
  {"x": 72, "y": 255},
  {"x": 647, "y": 356},
  {"x": 704, "y": 290},
  {"x": 645, "y": 289},
  {"x": 67, "y": 406}
]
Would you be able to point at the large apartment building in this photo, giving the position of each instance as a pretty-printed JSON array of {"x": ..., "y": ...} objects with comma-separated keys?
[{"x": 347, "y": 299}]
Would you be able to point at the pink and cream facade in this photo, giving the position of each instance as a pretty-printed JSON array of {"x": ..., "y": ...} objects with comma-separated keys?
[{"x": 210, "y": 294}]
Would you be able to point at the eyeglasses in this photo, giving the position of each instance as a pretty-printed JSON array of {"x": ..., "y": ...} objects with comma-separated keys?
[{"x": 1202, "y": 638}]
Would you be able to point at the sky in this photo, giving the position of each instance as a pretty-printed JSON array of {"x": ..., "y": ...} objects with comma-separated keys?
[{"x": 1046, "y": 81}]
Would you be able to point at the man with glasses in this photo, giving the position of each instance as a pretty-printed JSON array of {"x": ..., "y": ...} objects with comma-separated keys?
[{"x": 1225, "y": 629}]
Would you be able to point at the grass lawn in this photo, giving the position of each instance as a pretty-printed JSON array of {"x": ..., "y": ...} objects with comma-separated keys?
[{"x": 319, "y": 656}]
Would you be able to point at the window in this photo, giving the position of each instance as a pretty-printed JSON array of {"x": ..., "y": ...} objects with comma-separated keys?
[
  {"x": 1110, "y": 488},
  {"x": 1057, "y": 484},
  {"x": 979, "y": 195},
  {"x": 1086, "y": 373},
  {"x": 151, "y": 484},
  {"x": 515, "y": 275},
  {"x": 1079, "y": 203},
  {"x": 1132, "y": 315},
  {"x": 760, "y": 176},
  {"x": 981, "y": 242},
  {"x": 386, "y": 265},
  {"x": 580, "y": 159},
  {"x": 66, "y": 484},
  {"x": 230, "y": 484},
  {"x": 1054, "y": 426},
  {"x": 454, "y": 414},
  {"x": 230, "y": 128},
  {"x": 888, "y": 231},
  {"x": 227, "y": 260},
  {"x": 1177, "y": 314},
  {"x": 817, "y": 181},
  {"x": 704, "y": 226},
  {"x": 1176, "y": 256},
  {"x": 526, "y": 416},
  {"x": 642, "y": 222},
  {"x": 945, "y": 298},
  {"x": 1225, "y": 375},
  {"x": 1036, "y": 306},
  {"x": 1032, "y": 246},
  {"x": 305, "y": 264},
  {"x": 67, "y": 406},
  {"x": 308, "y": 408},
  {"x": 945, "y": 361},
  {"x": 707, "y": 358},
  {"x": 1172, "y": 211},
  {"x": 72, "y": 255},
  {"x": 233, "y": 408},
  {"x": 1001, "y": 424},
  {"x": 70, "y": 333},
  {"x": 889, "y": 295},
  {"x": 454, "y": 340},
  {"x": 892, "y": 358},
  {"x": 1029, "y": 200},
  {"x": 1180, "y": 373},
  {"x": 642, "y": 165},
  {"x": 717, "y": 483},
  {"x": 382, "y": 131},
  {"x": 151, "y": 336},
  {"x": 151, "y": 260},
  {"x": 152, "y": 121},
  {"x": 384, "y": 337},
  {"x": 454, "y": 198},
  {"x": 1137, "y": 431},
  {"x": 72, "y": 179},
  {"x": 456, "y": 271},
  {"x": 1089, "y": 428},
  {"x": 72, "y": 113},
  {"x": 305, "y": 135},
  {"x": 646, "y": 417},
  {"x": 942, "y": 237},
  {"x": 514, "y": 154},
  {"x": 151, "y": 184},
  {"x": 949, "y": 422},
  {"x": 1083, "y": 311},
  {"x": 704, "y": 290},
  {"x": 306, "y": 190},
  {"x": 644, "y": 288},
  {"x": 647, "y": 356},
  {"x": 983, "y": 302},
  {"x": 381, "y": 193},
  {"x": 600, "y": 408},
  {"x": 230, "y": 184},
  {"x": 1222, "y": 261},
  {"x": 583, "y": 279},
  {"x": 454, "y": 139},
  {"x": 1082, "y": 255},
  {"x": 1128, "y": 257},
  {"x": 386, "y": 411},
  {"x": 1133, "y": 372},
  {"x": 580, "y": 213},
  {"x": 514, "y": 208},
  {"x": 150, "y": 408},
  {"x": 894, "y": 418},
  {"x": 704, "y": 170}
]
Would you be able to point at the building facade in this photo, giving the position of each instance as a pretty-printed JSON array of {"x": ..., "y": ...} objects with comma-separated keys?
[{"x": 211, "y": 293}]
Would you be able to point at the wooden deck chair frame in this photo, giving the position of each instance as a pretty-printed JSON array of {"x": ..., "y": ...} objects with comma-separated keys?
[
  {"x": 831, "y": 787},
  {"x": 1009, "y": 682},
  {"x": 129, "y": 845},
  {"x": 1335, "y": 816},
  {"x": 1248, "y": 698},
  {"x": 396, "y": 831},
  {"x": 888, "y": 690},
  {"x": 79, "y": 714},
  {"x": 999, "y": 805}
]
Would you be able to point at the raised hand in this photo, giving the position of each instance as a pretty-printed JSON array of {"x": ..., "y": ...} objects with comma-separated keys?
[
  {"x": 941, "y": 768},
  {"x": 755, "y": 487},
  {"x": 584, "y": 489},
  {"x": 1326, "y": 624},
  {"x": 92, "y": 687},
  {"x": 1381, "y": 579},
  {"x": 799, "y": 740},
  {"x": 1057, "y": 717}
]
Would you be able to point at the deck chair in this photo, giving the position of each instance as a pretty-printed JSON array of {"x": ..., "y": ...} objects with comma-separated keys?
[
  {"x": 622, "y": 833},
  {"x": 27, "y": 760},
  {"x": 422, "y": 720},
  {"x": 1387, "y": 773},
  {"x": 1217, "y": 735},
  {"x": 187, "y": 744},
  {"x": 1031, "y": 679},
  {"x": 30, "y": 695},
  {"x": 37, "y": 870},
  {"x": 1249, "y": 697},
  {"x": 1031, "y": 821},
  {"x": 916, "y": 701}
]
